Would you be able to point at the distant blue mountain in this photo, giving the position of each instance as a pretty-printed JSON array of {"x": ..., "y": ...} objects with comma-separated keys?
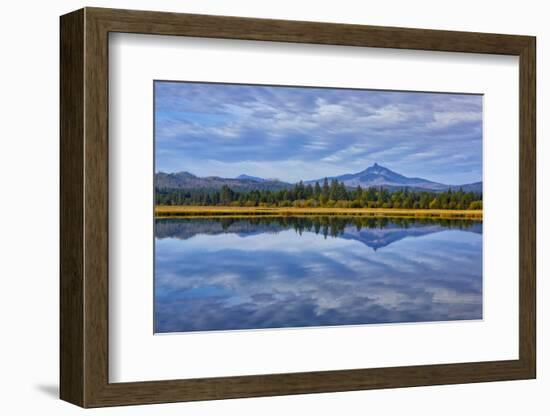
[
  {"x": 251, "y": 178},
  {"x": 381, "y": 177},
  {"x": 186, "y": 180}
]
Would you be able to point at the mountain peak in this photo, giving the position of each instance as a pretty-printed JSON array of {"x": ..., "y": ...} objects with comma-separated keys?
[
  {"x": 376, "y": 168},
  {"x": 380, "y": 176}
]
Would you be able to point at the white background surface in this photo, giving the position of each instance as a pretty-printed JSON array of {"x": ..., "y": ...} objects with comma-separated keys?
[
  {"x": 29, "y": 222},
  {"x": 136, "y": 355}
]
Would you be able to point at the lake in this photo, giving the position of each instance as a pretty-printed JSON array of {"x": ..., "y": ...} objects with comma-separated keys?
[{"x": 280, "y": 272}]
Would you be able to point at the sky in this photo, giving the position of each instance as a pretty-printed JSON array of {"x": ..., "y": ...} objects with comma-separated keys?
[{"x": 304, "y": 133}]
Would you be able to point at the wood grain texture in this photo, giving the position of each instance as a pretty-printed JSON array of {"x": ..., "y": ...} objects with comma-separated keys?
[
  {"x": 84, "y": 207},
  {"x": 527, "y": 207},
  {"x": 226, "y": 27},
  {"x": 96, "y": 208},
  {"x": 71, "y": 208}
]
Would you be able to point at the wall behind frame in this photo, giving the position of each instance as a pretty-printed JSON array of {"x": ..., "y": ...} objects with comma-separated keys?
[{"x": 29, "y": 214}]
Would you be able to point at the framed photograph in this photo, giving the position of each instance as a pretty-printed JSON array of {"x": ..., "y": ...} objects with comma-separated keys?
[{"x": 254, "y": 207}]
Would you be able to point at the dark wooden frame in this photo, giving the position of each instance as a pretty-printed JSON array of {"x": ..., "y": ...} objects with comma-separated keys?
[{"x": 84, "y": 207}]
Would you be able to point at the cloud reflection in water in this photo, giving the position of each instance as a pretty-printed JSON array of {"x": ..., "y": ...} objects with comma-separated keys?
[{"x": 295, "y": 272}]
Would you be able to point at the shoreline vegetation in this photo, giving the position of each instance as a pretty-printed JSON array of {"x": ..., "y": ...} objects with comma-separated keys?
[
  {"x": 190, "y": 211},
  {"x": 329, "y": 199}
]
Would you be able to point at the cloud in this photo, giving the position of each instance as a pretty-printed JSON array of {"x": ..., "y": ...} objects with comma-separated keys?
[
  {"x": 222, "y": 126},
  {"x": 442, "y": 120}
]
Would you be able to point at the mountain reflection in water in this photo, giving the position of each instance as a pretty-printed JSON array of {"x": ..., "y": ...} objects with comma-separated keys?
[{"x": 276, "y": 272}]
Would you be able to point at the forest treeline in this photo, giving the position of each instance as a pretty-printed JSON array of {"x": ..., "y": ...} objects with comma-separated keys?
[{"x": 333, "y": 194}]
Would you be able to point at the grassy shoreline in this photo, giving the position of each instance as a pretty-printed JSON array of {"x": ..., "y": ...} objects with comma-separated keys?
[{"x": 189, "y": 211}]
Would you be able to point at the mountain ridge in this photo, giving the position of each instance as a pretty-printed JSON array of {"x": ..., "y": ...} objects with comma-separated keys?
[
  {"x": 380, "y": 176},
  {"x": 252, "y": 178},
  {"x": 376, "y": 176},
  {"x": 186, "y": 180}
]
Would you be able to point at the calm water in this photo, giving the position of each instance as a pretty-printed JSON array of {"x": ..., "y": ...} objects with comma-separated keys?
[{"x": 223, "y": 274}]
